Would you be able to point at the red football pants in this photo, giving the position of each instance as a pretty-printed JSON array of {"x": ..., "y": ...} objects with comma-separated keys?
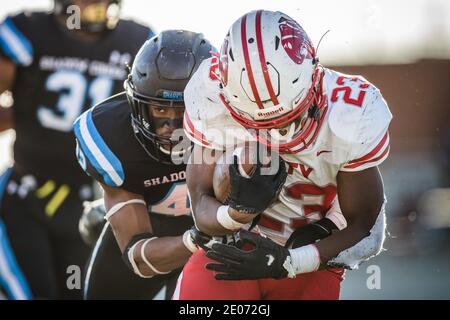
[{"x": 198, "y": 283}]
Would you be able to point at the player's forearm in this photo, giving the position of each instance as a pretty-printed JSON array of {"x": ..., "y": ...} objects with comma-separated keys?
[
  {"x": 164, "y": 254},
  {"x": 360, "y": 210},
  {"x": 206, "y": 217},
  {"x": 339, "y": 241}
]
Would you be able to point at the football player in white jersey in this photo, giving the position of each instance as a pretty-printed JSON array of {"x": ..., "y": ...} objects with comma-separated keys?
[{"x": 330, "y": 129}]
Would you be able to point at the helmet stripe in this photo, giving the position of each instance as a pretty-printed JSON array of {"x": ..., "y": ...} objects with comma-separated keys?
[
  {"x": 192, "y": 132},
  {"x": 262, "y": 58},
  {"x": 248, "y": 66}
]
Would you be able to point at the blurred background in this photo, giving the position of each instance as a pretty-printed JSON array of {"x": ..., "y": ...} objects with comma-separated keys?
[{"x": 403, "y": 47}]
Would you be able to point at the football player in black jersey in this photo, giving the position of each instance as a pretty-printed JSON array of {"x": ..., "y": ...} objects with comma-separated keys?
[
  {"x": 127, "y": 143},
  {"x": 54, "y": 72}
]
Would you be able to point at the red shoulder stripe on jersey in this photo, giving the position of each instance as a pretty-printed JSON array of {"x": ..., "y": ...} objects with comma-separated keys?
[
  {"x": 194, "y": 133},
  {"x": 248, "y": 65},
  {"x": 381, "y": 156},
  {"x": 262, "y": 58},
  {"x": 374, "y": 151}
]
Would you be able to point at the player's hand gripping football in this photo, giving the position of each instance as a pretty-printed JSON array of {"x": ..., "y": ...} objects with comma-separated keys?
[
  {"x": 265, "y": 259},
  {"x": 253, "y": 195}
]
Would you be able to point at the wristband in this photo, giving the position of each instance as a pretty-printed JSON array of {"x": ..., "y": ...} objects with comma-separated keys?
[
  {"x": 188, "y": 242},
  {"x": 224, "y": 219},
  {"x": 302, "y": 260}
]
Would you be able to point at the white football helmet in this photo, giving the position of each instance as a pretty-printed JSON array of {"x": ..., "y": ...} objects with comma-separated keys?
[{"x": 271, "y": 79}]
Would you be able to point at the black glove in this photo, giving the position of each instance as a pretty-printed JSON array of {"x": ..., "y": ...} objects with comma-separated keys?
[
  {"x": 310, "y": 233},
  {"x": 200, "y": 239},
  {"x": 205, "y": 241},
  {"x": 254, "y": 194},
  {"x": 265, "y": 260}
]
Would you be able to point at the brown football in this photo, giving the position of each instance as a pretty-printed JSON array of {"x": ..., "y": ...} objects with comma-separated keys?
[{"x": 221, "y": 178}]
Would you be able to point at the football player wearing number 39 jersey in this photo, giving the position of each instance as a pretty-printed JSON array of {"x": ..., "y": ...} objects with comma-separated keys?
[
  {"x": 55, "y": 69},
  {"x": 330, "y": 129},
  {"x": 128, "y": 144}
]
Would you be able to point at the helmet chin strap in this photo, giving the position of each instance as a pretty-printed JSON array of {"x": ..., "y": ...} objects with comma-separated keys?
[
  {"x": 176, "y": 123},
  {"x": 275, "y": 133},
  {"x": 291, "y": 131}
]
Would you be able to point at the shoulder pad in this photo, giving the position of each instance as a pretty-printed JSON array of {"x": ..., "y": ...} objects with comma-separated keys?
[
  {"x": 358, "y": 112},
  {"x": 139, "y": 30},
  {"x": 94, "y": 155}
]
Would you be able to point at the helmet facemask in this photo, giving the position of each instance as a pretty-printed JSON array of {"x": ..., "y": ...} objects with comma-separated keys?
[
  {"x": 158, "y": 134},
  {"x": 295, "y": 126}
]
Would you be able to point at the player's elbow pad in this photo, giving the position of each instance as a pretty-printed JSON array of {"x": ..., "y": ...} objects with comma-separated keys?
[
  {"x": 365, "y": 249},
  {"x": 127, "y": 255}
]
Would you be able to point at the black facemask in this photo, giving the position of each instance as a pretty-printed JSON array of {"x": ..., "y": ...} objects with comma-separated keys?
[{"x": 159, "y": 147}]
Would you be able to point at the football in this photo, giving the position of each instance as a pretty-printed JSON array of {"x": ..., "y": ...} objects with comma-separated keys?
[{"x": 246, "y": 160}]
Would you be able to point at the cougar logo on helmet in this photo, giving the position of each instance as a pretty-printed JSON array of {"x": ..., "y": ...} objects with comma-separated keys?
[{"x": 295, "y": 41}]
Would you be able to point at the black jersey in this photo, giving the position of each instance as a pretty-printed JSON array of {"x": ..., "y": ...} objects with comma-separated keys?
[
  {"x": 109, "y": 152},
  {"x": 58, "y": 77}
]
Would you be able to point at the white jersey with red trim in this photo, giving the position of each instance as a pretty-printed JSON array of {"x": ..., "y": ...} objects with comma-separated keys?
[{"x": 353, "y": 136}]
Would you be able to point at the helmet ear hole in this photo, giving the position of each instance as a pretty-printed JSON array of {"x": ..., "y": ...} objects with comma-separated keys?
[
  {"x": 277, "y": 42},
  {"x": 230, "y": 53}
]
